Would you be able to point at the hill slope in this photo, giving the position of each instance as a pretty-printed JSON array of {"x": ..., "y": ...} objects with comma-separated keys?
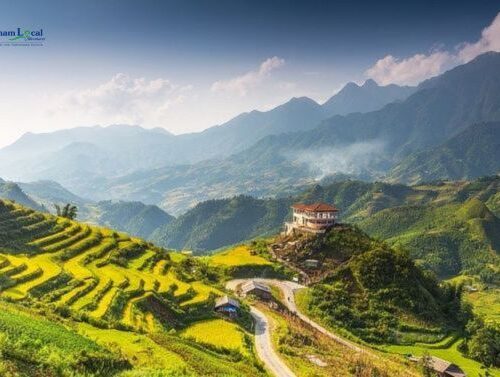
[
  {"x": 428, "y": 220},
  {"x": 473, "y": 153},
  {"x": 132, "y": 217},
  {"x": 365, "y": 98},
  {"x": 12, "y": 191},
  {"x": 216, "y": 223},
  {"x": 375, "y": 292},
  {"x": 96, "y": 283}
]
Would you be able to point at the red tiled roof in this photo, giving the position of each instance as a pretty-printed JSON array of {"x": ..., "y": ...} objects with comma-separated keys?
[{"x": 315, "y": 207}]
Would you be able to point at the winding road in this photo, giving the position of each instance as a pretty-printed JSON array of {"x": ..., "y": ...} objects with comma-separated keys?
[
  {"x": 263, "y": 342},
  {"x": 264, "y": 346}
]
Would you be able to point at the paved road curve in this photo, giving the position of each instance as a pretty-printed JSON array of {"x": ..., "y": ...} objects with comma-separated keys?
[
  {"x": 288, "y": 288},
  {"x": 264, "y": 346}
]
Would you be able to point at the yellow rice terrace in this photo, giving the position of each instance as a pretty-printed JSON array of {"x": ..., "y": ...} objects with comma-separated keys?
[{"x": 88, "y": 301}]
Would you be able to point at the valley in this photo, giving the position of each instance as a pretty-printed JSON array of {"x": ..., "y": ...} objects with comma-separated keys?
[{"x": 357, "y": 235}]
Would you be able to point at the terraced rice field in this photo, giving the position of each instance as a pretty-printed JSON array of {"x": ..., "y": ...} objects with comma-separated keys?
[
  {"x": 218, "y": 333},
  {"x": 238, "y": 256},
  {"x": 95, "y": 269}
]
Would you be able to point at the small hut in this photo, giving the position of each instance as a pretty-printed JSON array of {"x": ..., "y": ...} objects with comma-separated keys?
[
  {"x": 256, "y": 289},
  {"x": 227, "y": 306},
  {"x": 444, "y": 368}
]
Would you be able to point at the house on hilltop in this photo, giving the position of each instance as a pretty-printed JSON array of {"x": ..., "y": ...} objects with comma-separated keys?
[{"x": 312, "y": 218}]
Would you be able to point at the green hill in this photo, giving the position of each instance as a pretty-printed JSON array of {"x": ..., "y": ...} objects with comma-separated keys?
[
  {"x": 375, "y": 292},
  {"x": 472, "y": 153},
  {"x": 12, "y": 191},
  {"x": 135, "y": 218},
  {"x": 101, "y": 302},
  {"x": 448, "y": 239},
  {"x": 421, "y": 218},
  {"x": 217, "y": 223}
]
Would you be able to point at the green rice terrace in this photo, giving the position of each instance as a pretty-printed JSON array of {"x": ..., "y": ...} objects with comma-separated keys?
[{"x": 103, "y": 303}]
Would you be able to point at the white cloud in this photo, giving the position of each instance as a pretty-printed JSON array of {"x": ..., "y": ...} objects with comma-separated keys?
[
  {"x": 242, "y": 84},
  {"x": 409, "y": 71},
  {"x": 414, "y": 69},
  {"x": 124, "y": 99},
  {"x": 490, "y": 41}
]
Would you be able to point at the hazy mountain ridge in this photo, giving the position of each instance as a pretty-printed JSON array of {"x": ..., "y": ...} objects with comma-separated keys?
[
  {"x": 365, "y": 98},
  {"x": 103, "y": 152},
  {"x": 11, "y": 191},
  {"x": 472, "y": 153},
  {"x": 361, "y": 145},
  {"x": 135, "y": 218}
]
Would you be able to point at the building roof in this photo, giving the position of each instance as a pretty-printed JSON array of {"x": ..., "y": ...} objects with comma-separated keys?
[
  {"x": 225, "y": 300},
  {"x": 250, "y": 285},
  {"x": 442, "y": 366},
  {"x": 315, "y": 207}
]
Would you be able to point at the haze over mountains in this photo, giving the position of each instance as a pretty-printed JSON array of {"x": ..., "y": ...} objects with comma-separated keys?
[
  {"x": 363, "y": 132},
  {"x": 362, "y": 145},
  {"x": 98, "y": 152}
]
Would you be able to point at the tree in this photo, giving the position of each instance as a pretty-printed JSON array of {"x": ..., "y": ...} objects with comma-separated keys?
[
  {"x": 484, "y": 345},
  {"x": 426, "y": 364},
  {"x": 69, "y": 211}
]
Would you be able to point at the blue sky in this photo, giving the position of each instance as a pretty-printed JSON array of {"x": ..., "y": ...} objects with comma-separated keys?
[{"x": 188, "y": 65}]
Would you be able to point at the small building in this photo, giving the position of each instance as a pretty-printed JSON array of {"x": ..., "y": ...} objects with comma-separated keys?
[
  {"x": 312, "y": 218},
  {"x": 311, "y": 263},
  {"x": 444, "y": 368},
  {"x": 227, "y": 305},
  {"x": 257, "y": 289}
]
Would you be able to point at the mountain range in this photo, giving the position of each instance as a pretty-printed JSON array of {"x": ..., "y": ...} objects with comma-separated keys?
[
  {"x": 360, "y": 145},
  {"x": 99, "y": 153}
]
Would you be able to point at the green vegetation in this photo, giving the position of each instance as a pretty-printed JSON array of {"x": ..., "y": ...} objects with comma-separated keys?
[
  {"x": 217, "y": 223},
  {"x": 89, "y": 284},
  {"x": 377, "y": 293},
  {"x": 309, "y": 353},
  {"x": 218, "y": 333},
  {"x": 449, "y": 352},
  {"x": 68, "y": 211},
  {"x": 29, "y": 343},
  {"x": 241, "y": 255},
  {"x": 472, "y": 153}
]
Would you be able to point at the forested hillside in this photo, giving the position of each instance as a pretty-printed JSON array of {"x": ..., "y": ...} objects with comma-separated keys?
[
  {"x": 217, "y": 223},
  {"x": 378, "y": 293},
  {"x": 470, "y": 154}
]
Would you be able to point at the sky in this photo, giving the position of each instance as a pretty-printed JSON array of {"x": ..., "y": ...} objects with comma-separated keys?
[{"x": 188, "y": 65}]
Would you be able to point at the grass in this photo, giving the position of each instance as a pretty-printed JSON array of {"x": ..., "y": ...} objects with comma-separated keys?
[
  {"x": 78, "y": 268},
  {"x": 219, "y": 333},
  {"x": 451, "y": 353},
  {"x": 445, "y": 349},
  {"x": 238, "y": 256},
  {"x": 104, "y": 303},
  {"x": 141, "y": 350},
  {"x": 486, "y": 303},
  {"x": 202, "y": 293},
  {"x": 296, "y": 343}
]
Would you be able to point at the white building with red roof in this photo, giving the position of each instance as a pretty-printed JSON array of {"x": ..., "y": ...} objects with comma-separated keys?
[{"x": 312, "y": 218}]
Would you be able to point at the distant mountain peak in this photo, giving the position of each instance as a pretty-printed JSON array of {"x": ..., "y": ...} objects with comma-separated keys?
[
  {"x": 370, "y": 83},
  {"x": 365, "y": 98},
  {"x": 302, "y": 100}
]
